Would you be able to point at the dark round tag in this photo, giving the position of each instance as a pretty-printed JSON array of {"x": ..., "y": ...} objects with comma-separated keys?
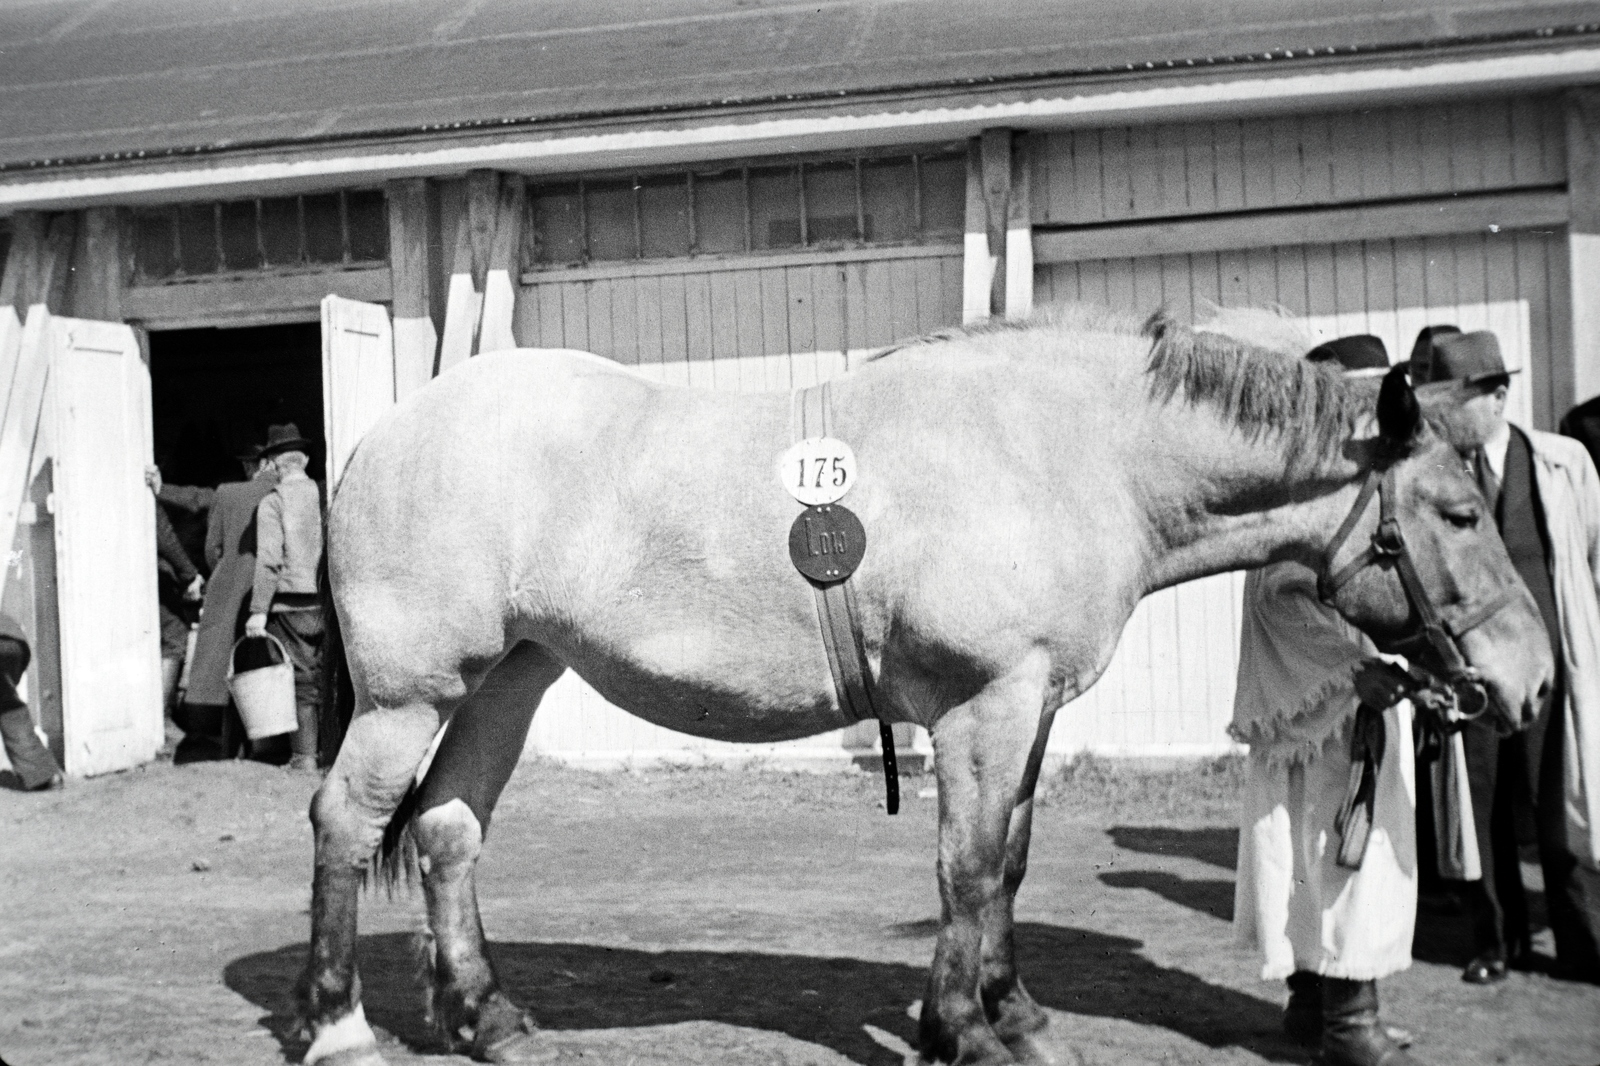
[{"x": 827, "y": 542}]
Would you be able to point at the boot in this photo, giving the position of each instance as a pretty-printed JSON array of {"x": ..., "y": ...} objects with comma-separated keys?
[
  {"x": 1302, "y": 1018},
  {"x": 1351, "y": 1035}
]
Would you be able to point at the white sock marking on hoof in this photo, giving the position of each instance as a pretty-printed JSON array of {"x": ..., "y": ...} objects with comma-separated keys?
[{"x": 349, "y": 1034}]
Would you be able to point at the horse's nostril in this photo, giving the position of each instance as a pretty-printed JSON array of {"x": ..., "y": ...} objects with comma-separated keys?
[{"x": 1543, "y": 694}]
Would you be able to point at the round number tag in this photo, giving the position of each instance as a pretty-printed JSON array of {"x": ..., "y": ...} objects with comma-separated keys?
[
  {"x": 826, "y": 542},
  {"x": 818, "y": 470}
]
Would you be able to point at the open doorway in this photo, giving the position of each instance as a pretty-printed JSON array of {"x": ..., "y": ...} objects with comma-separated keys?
[{"x": 214, "y": 392}]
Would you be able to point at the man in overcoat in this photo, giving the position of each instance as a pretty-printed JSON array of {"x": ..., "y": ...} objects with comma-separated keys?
[
  {"x": 1544, "y": 494},
  {"x": 284, "y": 600},
  {"x": 1326, "y": 885},
  {"x": 231, "y": 555}
]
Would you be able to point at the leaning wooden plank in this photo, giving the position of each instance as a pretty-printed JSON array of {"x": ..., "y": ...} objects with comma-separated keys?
[
  {"x": 463, "y": 302},
  {"x": 500, "y": 283},
  {"x": 21, "y": 416},
  {"x": 10, "y": 347}
]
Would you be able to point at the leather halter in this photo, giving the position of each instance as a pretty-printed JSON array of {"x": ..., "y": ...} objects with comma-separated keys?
[{"x": 1388, "y": 547}]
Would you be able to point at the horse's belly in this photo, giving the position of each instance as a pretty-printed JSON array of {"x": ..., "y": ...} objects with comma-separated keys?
[{"x": 715, "y": 685}]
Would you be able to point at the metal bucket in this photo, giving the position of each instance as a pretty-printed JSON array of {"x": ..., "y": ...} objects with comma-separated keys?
[{"x": 264, "y": 696}]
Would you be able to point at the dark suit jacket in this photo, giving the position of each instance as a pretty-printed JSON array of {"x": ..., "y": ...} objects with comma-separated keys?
[
  {"x": 231, "y": 552},
  {"x": 1582, "y": 423}
]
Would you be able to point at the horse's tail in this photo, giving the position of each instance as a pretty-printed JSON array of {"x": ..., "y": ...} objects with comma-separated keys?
[
  {"x": 338, "y": 693},
  {"x": 396, "y": 861}
]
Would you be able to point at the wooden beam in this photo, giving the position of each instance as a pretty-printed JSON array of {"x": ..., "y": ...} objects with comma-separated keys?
[
  {"x": 500, "y": 281},
  {"x": 244, "y": 301},
  {"x": 19, "y": 419},
  {"x": 1019, "y": 232},
  {"x": 1583, "y": 250},
  {"x": 995, "y": 149},
  {"x": 416, "y": 341},
  {"x": 54, "y": 267},
  {"x": 483, "y": 188},
  {"x": 1491, "y": 213},
  {"x": 96, "y": 287}
]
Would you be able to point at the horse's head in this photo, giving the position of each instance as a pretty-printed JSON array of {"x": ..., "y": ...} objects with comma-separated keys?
[{"x": 1419, "y": 565}]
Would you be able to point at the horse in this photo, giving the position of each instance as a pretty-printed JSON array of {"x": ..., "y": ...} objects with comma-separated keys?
[{"x": 1022, "y": 484}]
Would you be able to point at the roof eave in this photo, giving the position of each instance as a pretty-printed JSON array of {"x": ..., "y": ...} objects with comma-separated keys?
[{"x": 587, "y": 143}]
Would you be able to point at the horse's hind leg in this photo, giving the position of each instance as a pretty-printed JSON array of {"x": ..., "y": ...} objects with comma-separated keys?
[
  {"x": 474, "y": 761},
  {"x": 375, "y": 765},
  {"x": 983, "y": 750},
  {"x": 1016, "y": 1017}
]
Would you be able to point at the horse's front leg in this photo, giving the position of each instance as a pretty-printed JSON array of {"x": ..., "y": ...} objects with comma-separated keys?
[
  {"x": 1017, "y": 1019},
  {"x": 348, "y": 813},
  {"x": 982, "y": 751},
  {"x": 475, "y": 760}
]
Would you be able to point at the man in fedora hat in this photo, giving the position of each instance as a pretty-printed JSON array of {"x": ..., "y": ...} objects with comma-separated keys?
[
  {"x": 1330, "y": 903},
  {"x": 1544, "y": 494},
  {"x": 284, "y": 600}
]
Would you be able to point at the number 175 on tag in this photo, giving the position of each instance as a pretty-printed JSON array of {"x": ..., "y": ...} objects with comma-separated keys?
[{"x": 817, "y": 470}]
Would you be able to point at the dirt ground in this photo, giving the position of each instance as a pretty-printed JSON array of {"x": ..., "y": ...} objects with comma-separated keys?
[{"x": 721, "y": 917}]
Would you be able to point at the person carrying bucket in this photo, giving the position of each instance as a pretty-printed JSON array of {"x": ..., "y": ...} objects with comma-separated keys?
[{"x": 284, "y": 603}]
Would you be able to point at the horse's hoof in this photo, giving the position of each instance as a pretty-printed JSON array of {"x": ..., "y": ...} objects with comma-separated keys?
[{"x": 520, "y": 1048}]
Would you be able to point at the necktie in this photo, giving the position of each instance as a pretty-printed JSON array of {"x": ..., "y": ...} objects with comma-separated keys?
[{"x": 1488, "y": 484}]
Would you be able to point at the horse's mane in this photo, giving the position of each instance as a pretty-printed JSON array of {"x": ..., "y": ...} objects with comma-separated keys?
[{"x": 1244, "y": 363}]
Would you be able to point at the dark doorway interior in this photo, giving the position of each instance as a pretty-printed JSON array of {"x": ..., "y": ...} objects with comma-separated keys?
[{"x": 215, "y": 391}]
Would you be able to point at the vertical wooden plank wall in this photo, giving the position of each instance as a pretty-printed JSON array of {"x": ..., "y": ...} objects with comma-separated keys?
[
  {"x": 1103, "y": 176},
  {"x": 1583, "y": 238}
]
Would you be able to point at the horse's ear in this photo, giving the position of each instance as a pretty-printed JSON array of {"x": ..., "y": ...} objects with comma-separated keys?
[{"x": 1399, "y": 414}]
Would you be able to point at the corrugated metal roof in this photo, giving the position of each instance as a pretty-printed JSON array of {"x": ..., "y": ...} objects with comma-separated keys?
[{"x": 85, "y": 79}]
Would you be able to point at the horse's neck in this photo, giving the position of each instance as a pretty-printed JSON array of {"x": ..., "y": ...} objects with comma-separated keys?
[{"x": 1230, "y": 505}]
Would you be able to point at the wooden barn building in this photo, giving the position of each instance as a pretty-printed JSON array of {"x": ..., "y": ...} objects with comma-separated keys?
[{"x": 729, "y": 194}]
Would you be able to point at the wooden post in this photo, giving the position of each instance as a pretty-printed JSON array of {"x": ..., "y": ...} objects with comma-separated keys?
[
  {"x": 27, "y": 241},
  {"x": 986, "y": 257},
  {"x": 416, "y": 342},
  {"x": 977, "y": 268},
  {"x": 502, "y": 278},
  {"x": 1019, "y": 233},
  {"x": 1583, "y": 249},
  {"x": 96, "y": 285}
]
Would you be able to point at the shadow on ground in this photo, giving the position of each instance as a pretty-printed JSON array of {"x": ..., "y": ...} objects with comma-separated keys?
[
  {"x": 1214, "y": 844},
  {"x": 825, "y": 1001}
]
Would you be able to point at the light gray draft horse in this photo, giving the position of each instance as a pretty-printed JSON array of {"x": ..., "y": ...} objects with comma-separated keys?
[{"x": 1023, "y": 487}]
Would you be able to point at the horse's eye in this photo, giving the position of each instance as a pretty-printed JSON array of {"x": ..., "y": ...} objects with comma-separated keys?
[{"x": 1466, "y": 518}]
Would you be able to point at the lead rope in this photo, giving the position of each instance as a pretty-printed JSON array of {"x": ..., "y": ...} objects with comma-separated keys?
[{"x": 840, "y": 621}]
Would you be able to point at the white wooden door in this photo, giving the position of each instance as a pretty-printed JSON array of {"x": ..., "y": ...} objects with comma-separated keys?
[
  {"x": 358, "y": 375},
  {"x": 99, "y": 400}
]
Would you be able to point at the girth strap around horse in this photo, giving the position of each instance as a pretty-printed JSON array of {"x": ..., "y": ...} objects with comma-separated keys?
[{"x": 837, "y": 612}]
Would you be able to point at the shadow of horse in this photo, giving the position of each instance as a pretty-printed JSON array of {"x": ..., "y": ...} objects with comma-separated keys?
[{"x": 824, "y": 1001}]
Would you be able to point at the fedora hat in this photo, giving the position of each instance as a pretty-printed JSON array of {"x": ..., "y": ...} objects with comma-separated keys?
[
  {"x": 284, "y": 438},
  {"x": 1467, "y": 358},
  {"x": 1360, "y": 355}
]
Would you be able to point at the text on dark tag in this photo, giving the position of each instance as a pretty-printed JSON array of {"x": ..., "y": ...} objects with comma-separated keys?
[{"x": 827, "y": 542}]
